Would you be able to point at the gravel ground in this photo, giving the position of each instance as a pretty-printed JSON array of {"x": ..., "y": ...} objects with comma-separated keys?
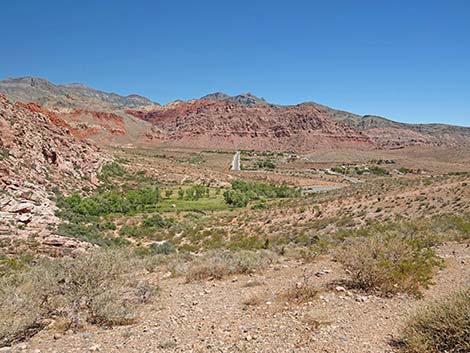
[{"x": 214, "y": 316}]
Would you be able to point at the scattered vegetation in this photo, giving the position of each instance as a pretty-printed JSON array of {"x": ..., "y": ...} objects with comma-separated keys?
[
  {"x": 99, "y": 287},
  {"x": 441, "y": 327},
  {"x": 216, "y": 265},
  {"x": 4, "y": 154},
  {"x": 361, "y": 170}
]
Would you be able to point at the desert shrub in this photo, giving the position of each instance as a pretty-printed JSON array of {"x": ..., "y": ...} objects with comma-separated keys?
[
  {"x": 379, "y": 171},
  {"x": 164, "y": 248},
  {"x": 8, "y": 264},
  {"x": 4, "y": 153},
  {"x": 90, "y": 233},
  {"x": 262, "y": 205},
  {"x": 339, "y": 169},
  {"x": 404, "y": 170},
  {"x": 454, "y": 227},
  {"x": 444, "y": 326},
  {"x": 266, "y": 164},
  {"x": 302, "y": 291},
  {"x": 388, "y": 263},
  {"x": 157, "y": 221},
  {"x": 131, "y": 231},
  {"x": 98, "y": 287},
  {"x": 216, "y": 265},
  {"x": 110, "y": 170}
]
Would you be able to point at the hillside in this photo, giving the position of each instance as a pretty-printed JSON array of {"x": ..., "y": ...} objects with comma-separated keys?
[{"x": 39, "y": 155}]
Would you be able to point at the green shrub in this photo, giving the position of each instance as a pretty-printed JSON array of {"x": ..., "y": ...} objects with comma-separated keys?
[
  {"x": 379, "y": 171},
  {"x": 131, "y": 231},
  {"x": 4, "y": 154},
  {"x": 89, "y": 233},
  {"x": 111, "y": 170},
  {"x": 404, "y": 170},
  {"x": 164, "y": 248},
  {"x": 157, "y": 221},
  {"x": 388, "y": 263},
  {"x": 236, "y": 198},
  {"x": 443, "y": 326},
  {"x": 266, "y": 164}
]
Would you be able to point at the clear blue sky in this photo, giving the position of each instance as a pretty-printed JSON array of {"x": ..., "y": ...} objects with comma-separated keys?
[{"x": 407, "y": 60}]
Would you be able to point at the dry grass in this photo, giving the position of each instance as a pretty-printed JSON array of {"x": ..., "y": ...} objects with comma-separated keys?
[
  {"x": 303, "y": 291},
  {"x": 97, "y": 288},
  {"x": 315, "y": 318},
  {"x": 253, "y": 300},
  {"x": 216, "y": 265},
  {"x": 441, "y": 327}
]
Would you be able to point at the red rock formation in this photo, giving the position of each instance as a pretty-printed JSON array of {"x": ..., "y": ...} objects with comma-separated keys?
[
  {"x": 212, "y": 124},
  {"x": 53, "y": 116},
  {"x": 37, "y": 153}
]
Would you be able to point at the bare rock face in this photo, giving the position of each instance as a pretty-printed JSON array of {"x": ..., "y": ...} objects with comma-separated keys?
[
  {"x": 227, "y": 124},
  {"x": 38, "y": 154}
]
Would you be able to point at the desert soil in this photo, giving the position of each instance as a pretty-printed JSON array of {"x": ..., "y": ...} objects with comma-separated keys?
[{"x": 249, "y": 313}]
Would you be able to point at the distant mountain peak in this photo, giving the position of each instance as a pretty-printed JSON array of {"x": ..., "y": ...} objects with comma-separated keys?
[
  {"x": 246, "y": 99},
  {"x": 70, "y": 95}
]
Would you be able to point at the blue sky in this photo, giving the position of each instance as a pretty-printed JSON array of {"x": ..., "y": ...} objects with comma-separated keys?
[{"x": 407, "y": 60}]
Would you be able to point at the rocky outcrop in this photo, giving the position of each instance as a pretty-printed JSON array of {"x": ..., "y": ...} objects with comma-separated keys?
[
  {"x": 37, "y": 155},
  {"x": 246, "y": 99}
]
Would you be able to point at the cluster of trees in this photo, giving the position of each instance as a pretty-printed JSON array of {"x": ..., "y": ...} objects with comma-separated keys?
[
  {"x": 193, "y": 193},
  {"x": 112, "y": 201},
  {"x": 243, "y": 192}
]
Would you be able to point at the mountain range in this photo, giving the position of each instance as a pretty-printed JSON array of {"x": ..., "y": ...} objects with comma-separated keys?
[{"x": 220, "y": 121}]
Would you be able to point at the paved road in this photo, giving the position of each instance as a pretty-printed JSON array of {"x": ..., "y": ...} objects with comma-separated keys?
[{"x": 236, "y": 161}]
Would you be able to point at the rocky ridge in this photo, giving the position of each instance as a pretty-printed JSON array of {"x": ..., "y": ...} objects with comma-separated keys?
[
  {"x": 74, "y": 95},
  {"x": 222, "y": 121}
]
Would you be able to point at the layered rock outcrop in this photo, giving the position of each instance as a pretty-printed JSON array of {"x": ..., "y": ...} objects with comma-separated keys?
[
  {"x": 38, "y": 154},
  {"x": 226, "y": 124}
]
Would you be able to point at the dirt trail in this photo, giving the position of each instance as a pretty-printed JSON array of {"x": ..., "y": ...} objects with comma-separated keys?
[{"x": 212, "y": 316}]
